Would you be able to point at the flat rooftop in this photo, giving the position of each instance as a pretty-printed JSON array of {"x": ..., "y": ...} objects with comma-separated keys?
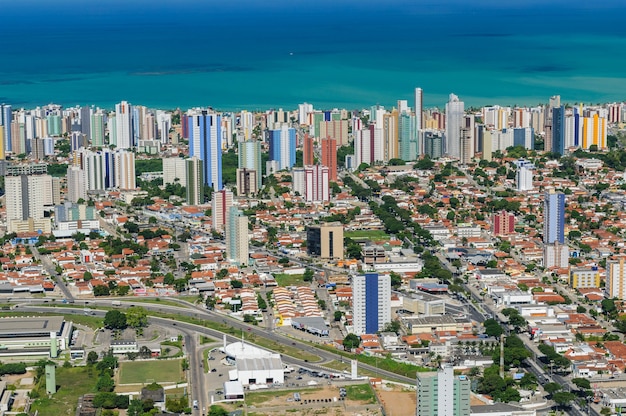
[{"x": 34, "y": 326}]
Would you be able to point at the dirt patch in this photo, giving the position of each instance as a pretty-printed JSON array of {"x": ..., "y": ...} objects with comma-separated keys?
[{"x": 397, "y": 401}]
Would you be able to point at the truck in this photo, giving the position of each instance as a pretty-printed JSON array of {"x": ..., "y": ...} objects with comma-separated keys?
[
  {"x": 116, "y": 303},
  {"x": 195, "y": 404}
]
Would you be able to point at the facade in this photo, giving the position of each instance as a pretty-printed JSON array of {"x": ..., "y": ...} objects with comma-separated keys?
[
  {"x": 312, "y": 183},
  {"x": 554, "y": 217},
  {"x": 43, "y": 335},
  {"x": 433, "y": 145},
  {"x": 555, "y": 255},
  {"x": 194, "y": 181},
  {"x": 455, "y": 111},
  {"x": 329, "y": 157},
  {"x": 334, "y": 129},
  {"x": 250, "y": 158},
  {"x": 6, "y": 117},
  {"x": 221, "y": 202},
  {"x": 282, "y": 144},
  {"x": 407, "y": 137},
  {"x": 558, "y": 130},
  {"x": 524, "y": 175},
  {"x": 584, "y": 277},
  {"x": 503, "y": 223},
  {"x": 124, "y": 131},
  {"x": 237, "y": 237},
  {"x": 174, "y": 170},
  {"x": 25, "y": 198},
  {"x": 325, "y": 240},
  {"x": 419, "y": 109},
  {"x": 205, "y": 142},
  {"x": 247, "y": 180},
  {"x": 308, "y": 157},
  {"x": 368, "y": 145},
  {"x": 125, "y": 177},
  {"x": 616, "y": 278},
  {"x": 76, "y": 184},
  {"x": 443, "y": 394},
  {"x": 371, "y": 301}
]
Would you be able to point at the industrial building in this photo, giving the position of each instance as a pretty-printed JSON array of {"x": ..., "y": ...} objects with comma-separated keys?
[{"x": 34, "y": 335}]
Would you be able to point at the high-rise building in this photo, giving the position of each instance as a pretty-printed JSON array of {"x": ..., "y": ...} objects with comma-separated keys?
[
  {"x": 419, "y": 109},
  {"x": 325, "y": 241},
  {"x": 25, "y": 199},
  {"x": 174, "y": 170},
  {"x": 455, "y": 110},
  {"x": 407, "y": 137},
  {"x": 6, "y": 117},
  {"x": 221, "y": 202},
  {"x": 443, "y": 393},
  {"x": 524, "y": 137},
  {"x": 194, "y": 183},
  {"x": 237, "y": 237},
  {"x": 503, "y": 223},
  {"x": 283, "y": 147},
  {"x": 555, "y": 256},
  {"x": 205, "y": 142},
  {"x": 616, "y": 278},
  {"x": 371, "y": 301},
  {"x": 76, "y": 184},
  {"x": 466, "y": 140},
  {"x": 247, "y": 180},
  {"x": 554, "y": 217},
  {"x": 390, "y": 136},
  {"x": 524, "y": 175},
  {"x": 96, "y": 130},
  {"x": 250, "y": 158},
  {"x": 433, "y": 145},
  {"x": 124, "y": 126},
  {"x": 329, "y": 157},
  {"x": 312, "y": 183},
  {"x": 308, "y": 156},
  {"x": 369, "y": 146},
  {"x": 335, "y": 129},
  {"x": 558, "y": 130},
  {"x": 124, "y": 162}
]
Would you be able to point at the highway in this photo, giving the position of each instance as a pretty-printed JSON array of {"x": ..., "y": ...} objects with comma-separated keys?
[{"x": 191, "y": 330}]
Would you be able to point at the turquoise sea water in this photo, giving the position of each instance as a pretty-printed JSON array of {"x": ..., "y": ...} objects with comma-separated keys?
[{"x": 352, "y": 54}]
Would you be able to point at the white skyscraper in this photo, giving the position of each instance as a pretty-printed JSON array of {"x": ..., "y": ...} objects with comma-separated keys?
[
  {"x": 237, "y": 236},
  {"x": 455, "y": 110},
  {"x": 124, "y": 125},
  {"x": 25, "y": 198},
  {"x": 371, "y": 300},
  {"x": 524, "y": 175},
  {"x": 312, "y": 183},
  {"x": 174, "y": 170},
  {"x": 419, "y": 109},
  {"x": 76, "y": 184}
]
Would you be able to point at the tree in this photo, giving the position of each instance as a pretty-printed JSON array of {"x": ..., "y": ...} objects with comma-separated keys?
[
  {"x": 582, "y": 383},
  {"x": 563, "y": 398},
  {"x": 92, "y": 357},
  {"x": 338, "y": 315},
  {"x": 115, "y": 319},
  {"x": 493, "y": 328},
  {"x": 137, "y": 318},
  {"x": 396, "y": 280},
  {"x": 351, "y": 341},
  {"x": 393, "y": 326},
  {"x": 101, "y": 290},
  {"x": 236, "y": 284},
  {"x": 552, "y": 388},
  {"x": 308, "y": 275}
]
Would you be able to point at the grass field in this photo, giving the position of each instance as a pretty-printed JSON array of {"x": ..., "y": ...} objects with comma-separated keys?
[
  {"x": 289, "y": 279},
  {"x": 257, "y": 398},
  {"x": 367, "y": 234},
  {"x": 361, "y": 392},
  {"x": 73, "y": 383},
  {"x": 161, "y": 371}
]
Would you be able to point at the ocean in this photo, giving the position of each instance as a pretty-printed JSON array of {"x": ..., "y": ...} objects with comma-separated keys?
[{"x": 245, "y": 54}]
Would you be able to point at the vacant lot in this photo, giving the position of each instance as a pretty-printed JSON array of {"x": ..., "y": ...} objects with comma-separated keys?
[
  {"x": 160, "y": 371},
  {"x": 367, "y": 234},
  {"x": 289, "y": 279},
  {"x": 72, "y": 383}
]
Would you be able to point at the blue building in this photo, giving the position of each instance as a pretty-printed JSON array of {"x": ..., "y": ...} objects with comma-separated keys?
[
  {"x": 558, "y": 130},
  {"x": 283, "y": 147},
  {"x": 205, "y": 142},
  {"x": 371, "y": 300},
  {"x": 554, "y": 217}
]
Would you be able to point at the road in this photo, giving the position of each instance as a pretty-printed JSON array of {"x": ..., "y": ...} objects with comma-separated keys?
[{"x": 51, "y": 269}]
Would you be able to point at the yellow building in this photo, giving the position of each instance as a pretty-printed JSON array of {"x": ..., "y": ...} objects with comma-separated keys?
[{"x": 584, "y": 277}]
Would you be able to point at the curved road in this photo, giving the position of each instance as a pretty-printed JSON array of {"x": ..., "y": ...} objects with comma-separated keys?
[{"x": 198, "y": 391}]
